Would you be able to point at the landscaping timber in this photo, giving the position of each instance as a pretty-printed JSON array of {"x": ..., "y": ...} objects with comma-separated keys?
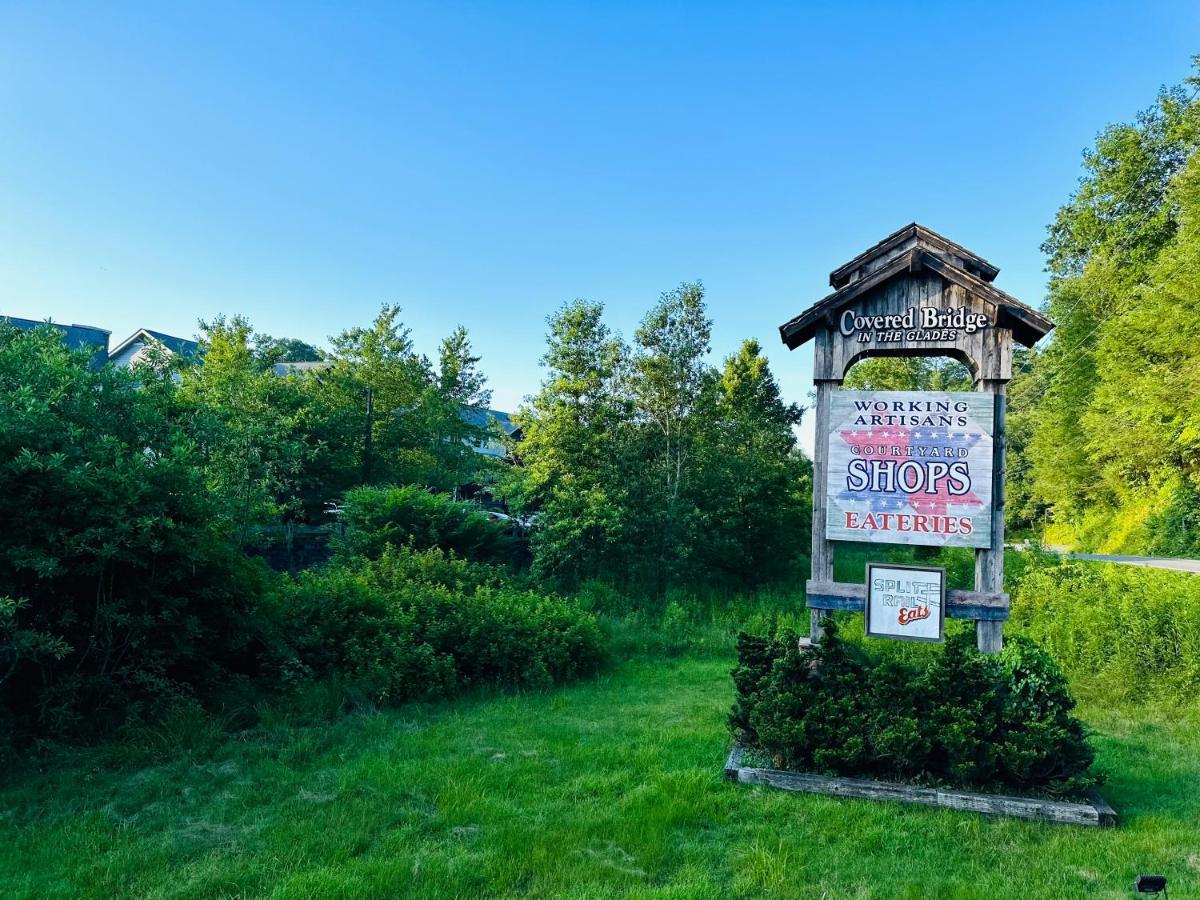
[{"x": 1095, "y": 812}]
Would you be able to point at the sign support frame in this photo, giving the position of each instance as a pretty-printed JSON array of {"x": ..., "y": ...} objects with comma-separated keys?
[{"x": 915, "y": 275}]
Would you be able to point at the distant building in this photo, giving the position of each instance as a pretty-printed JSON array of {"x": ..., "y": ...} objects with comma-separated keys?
[
  {"x": 284, "y": 369},
  {"x": 74, "y": 337},
  {"x": 483, "y": 418},
  {"x": 138, "y": 345}
]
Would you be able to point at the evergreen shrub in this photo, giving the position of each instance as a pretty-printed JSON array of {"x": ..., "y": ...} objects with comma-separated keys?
[{"x": 955, "y": 717}]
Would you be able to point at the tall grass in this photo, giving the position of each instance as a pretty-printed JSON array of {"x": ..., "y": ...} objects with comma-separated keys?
[{"x": 1129, "y": 631}]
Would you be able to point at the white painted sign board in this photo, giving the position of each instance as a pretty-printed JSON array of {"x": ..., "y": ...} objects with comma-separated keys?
[
  {"x": 910, "y": 467},
  {"x": 906, "y": 603}
]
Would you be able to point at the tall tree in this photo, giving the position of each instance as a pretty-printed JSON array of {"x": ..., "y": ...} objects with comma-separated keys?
[
  {"x": 455, "y": 409},
  {"x": 378, "y": 377},
  {"x": 577, "y": 435},
  {"x": 755, "y": 486},
  {"x": 243, "y": 420},
  {"x": 650, "y": 468},
  {"x": 667, "y": 381},
  {"x": 1105, "y": 251}
]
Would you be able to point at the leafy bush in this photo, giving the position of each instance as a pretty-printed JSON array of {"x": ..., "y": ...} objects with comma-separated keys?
[
  {"x": 376, "y": 518},
  {"x": 1134, "y": 630},
  {"x": 955, "y": 717},
  {"x": 118, "y": 589},
  {"x": 425, "y": 624},
  {"x": 1174, "y": 526}
]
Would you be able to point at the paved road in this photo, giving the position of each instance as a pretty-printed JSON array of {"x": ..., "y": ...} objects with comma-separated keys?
[{"x": 1153, "y": 562}]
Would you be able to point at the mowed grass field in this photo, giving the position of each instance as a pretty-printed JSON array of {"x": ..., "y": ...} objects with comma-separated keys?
[{"x": 609, "y": 788}]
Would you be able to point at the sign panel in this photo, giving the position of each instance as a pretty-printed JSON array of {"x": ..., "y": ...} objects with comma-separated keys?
[
  {"x": 906, "y": 603},
  {"x": 910, "y": 467},
  {"x": 914, "y": 325}
]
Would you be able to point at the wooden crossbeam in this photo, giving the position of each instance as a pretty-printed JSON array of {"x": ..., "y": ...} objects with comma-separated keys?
[{"x": 978, "y": 605}]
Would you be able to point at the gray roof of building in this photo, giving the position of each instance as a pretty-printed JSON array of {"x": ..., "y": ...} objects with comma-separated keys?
[
  {"x": 181, "y": 346},
  {"x": 74, "y": 337},
  {"x": 480, "y": 416},
  {"x": 284, "y": 369}
]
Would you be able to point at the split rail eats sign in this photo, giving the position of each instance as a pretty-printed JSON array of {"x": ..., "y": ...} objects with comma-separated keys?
[
  {"x": 905, "y": 603},
  {"x": 910, "y": 467}
]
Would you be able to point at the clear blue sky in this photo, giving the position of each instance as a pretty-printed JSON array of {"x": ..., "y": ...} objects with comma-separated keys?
[{"x": 482, "y": 163}]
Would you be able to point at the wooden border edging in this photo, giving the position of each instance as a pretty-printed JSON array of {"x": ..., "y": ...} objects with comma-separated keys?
[
  {"x": 1095, "y": 813},
  {"x": 978, "y": 605}
]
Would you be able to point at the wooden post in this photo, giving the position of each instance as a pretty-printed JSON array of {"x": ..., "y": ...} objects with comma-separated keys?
[
  {"x": 822, "y": 549},
  {"x": 989, "y": 563}
]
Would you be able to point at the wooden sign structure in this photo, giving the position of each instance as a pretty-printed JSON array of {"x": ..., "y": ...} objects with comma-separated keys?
[{"x": 915, "y": 293}]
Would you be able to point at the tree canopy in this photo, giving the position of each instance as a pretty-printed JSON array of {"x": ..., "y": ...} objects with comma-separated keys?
[
  {"x": 1105, "y": 413},
  {"x": 649, "y": 466}
]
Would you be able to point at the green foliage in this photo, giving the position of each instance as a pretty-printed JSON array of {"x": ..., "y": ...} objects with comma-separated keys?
[
  {"x": 575, "y": 450},
  {"x": 417, "y": 625},
  {"x": 1173, "y": 528},
  {"x": 396, "y": 419},
  {"x": 756, "y": 656},
  {"x": 909, "y": 373},
  {"x": 1106, "y": 418},
  {"x": 271, "y": 350},
  {"x": 247, "y": 429},
  {"x": 754, "y": 485},
  {"x": 120, "y": 585},
  {"x": 1039, "y": 702},
  {"x": 377, "y": 518},
  {"x": 953, "y": 717},
  {"x": 377, "y": 412},
  {"x": 1128, "y": 630},
  {"x": 651, "y": 469}
]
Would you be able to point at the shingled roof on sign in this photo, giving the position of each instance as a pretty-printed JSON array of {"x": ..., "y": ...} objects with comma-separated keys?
[
  {"x": 910, "y": 236},
  {"x": 909, "y": 250}
]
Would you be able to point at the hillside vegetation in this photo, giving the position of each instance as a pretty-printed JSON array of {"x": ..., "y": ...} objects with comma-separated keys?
[{"x": 1105, "y": 423}]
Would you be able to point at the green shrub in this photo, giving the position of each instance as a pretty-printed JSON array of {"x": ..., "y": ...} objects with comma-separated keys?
[
  {"x": 756, "y": 660},
  {"x": 1037, "y": 714},
  {"x": 413, "y": 625},
  {"x": 376, "y": 518},
  {"x": 603, "y": 598},
  {"x": 954, "y": 717},
  {"x": 119, "y": 590},
  {"x": 1133, "y": 630}
]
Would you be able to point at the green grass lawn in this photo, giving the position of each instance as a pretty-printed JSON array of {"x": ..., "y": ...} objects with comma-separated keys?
[{"x": 608, "y": 788}]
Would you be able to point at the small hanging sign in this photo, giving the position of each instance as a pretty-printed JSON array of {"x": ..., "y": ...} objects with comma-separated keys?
[{"x": 906, "y": 603}]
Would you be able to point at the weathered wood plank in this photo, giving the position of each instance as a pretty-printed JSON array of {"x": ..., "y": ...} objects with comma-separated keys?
[
  {"x": 1056, "y": 811},
  {"x": 839, "y": 596},
  {"x": 989, "y": 563},
  {"x": 733, "y": 763},
  {"x": 989, "y": 634},
  {"x": 1108, "y": 815},
  {"x": 836, "y": 787},
  {"x": 822, "y": 549},
  {"x": 1093, "y": 813}
]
